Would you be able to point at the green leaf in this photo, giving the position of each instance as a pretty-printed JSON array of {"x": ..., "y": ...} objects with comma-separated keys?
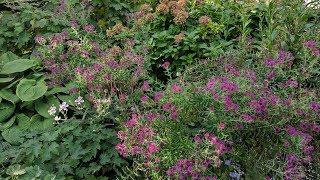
[
  {"x": 9, "y": 96},
  {"x": 7, "y": 57},
  {"x": 17, "y": 66},
  {"x": 56, "y": 90},
  {"x": 8, "y": 124},
  {"x": 5, "y": 80},
  {"x": 23, "y": 121},
  {"x": 13, "y": 135},
  {"x": 43, "y": 105},
  {"x": 6, "y": 110},
  {"x": 15, "y": 170},
  {"x": 30, "y": 89}
]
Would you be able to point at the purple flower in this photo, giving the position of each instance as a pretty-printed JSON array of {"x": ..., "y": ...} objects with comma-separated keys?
[
  {"x": 84, "y": 54},
  {"x": 247, "y": 118},
  {"x": 270, "y": 62},
  {"x": 79, "y": 100},
  {"x": 291, "y": 130},
  {"x": 89, "y": 28},
  {"x": 63, "y": 107},
  {"x": 157, "y": 96},
  {"x": 176, "y": 88},
  {"x": 314, "y": 106},
  {"x": 144, "y": 98},
  {"x": 40, "y": 39},
  {"x": 210, "y": 84},
  {"x": 165, "y": 65},
  {"x": 145, "y": 86},
  {"x": 311, "y": 44}
]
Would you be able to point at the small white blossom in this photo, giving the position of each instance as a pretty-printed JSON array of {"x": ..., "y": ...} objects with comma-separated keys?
[
  {"x": 63, "y": 107},
  {"x": 79, "y": 100},
  {"x": 52, "y": 110},
  {"x": 57, "y": 118}
]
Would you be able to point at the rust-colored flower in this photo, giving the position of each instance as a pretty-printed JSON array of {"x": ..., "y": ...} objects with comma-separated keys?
[
  {"x": 162, "y": 8},
  {"x": 181, "y": 17},
  {"x": 204, "y": 20},
  {"x": 145, "y": 7},
  {"x": 178, "y": 38}
]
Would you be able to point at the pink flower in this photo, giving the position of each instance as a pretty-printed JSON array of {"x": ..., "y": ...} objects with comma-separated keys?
[
  {"x": 89, "y": 28},
  {"x": 221, "y": 125},
  {"x": 144, "y": 98},
  {"x": 121, "y": 135},
  {"x": 247, "y": 118},
  {"x": 210, "y": 83},
  {"x": 152, "y": 148},
  {"x": 176, "y": 88},
  {"x": 271, "y": 75},
  {"x": 40, "y": 39},
  {"x": 165, "y": 65},
  {"x": 197, "y": 138},
  {"x": 157, "y": 96},
  {"x": 84, "y": 54},
  {"x": 133, "y": 121},
  {"x": 145, "y": 86},
  {"x": 122, "y": 149}
]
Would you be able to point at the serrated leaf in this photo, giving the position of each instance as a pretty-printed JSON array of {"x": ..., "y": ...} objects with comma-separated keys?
[
  {"x": 19, "y": 65},
  {"x": 30, "y": 89},
  {"x": 15, "y": 170}
]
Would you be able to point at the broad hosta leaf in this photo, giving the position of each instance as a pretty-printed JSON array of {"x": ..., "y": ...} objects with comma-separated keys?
[
  {"x": 30, "y": 90},
  {"x": 4, "y": 126},
  {"x": 13, "y": 135},
  {"x": 7, "y": 57},
  {"x": 19, "y": 65},
  {"x": 6, "y": 110},
  {"x": 5, "y": 80},
  {"x": 9, "y": 96},
  {"x": 42, "y": 105},
  {"x": 23, "y": 121},
  {"x": 56, "y": 90}
]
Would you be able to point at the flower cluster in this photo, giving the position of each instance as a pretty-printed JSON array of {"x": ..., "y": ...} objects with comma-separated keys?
[{"x": 176, "y": 8}]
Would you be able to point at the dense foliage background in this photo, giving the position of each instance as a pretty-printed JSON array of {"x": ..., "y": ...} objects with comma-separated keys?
[{"x": 169, "y": 89}]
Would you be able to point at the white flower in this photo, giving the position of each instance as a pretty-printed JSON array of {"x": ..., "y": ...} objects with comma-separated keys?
[
  {"x": 57, "y": 118},
  {"x": 63, "y": 107},
  {"x": 52, "y": 110},
  {"x": 79, "y": 100}
]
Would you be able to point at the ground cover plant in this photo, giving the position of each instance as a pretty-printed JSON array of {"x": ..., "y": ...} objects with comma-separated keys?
[{"x": 160, "y": 89}]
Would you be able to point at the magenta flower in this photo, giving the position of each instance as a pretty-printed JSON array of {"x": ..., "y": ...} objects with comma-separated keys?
[
  {"x": 40, "y": 39},
  {"x": 176, "y": 88},
  {"x": 145, "y": 86},
  {"x": 157, "y": 96},
  {"x": 84, "y": 54},
  {"x": 210, "y": 84},
  {"x": 89, "y": 28},
  {"x": 165, "y": 65},
  {"x": 144, "y": 98},
  {"x": 152, "y": 148},
  {"x": 247, "y": 118},
  {"x": 122, "y": 149},
  {"x": 314, "y": 106}
]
